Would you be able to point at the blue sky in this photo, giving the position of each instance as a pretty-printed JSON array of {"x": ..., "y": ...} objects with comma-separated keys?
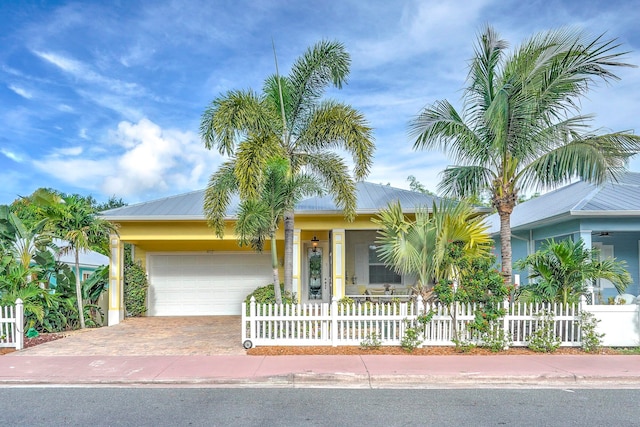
[{"x": 105, "y": 99}]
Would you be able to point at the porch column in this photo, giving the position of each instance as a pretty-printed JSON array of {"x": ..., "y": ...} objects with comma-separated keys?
[
  {"x": 338, "y": 255},
  {"x": 295, "y": 275},
  {"x": 585, "y": 235},
  {"x": 116, "y": 281}
]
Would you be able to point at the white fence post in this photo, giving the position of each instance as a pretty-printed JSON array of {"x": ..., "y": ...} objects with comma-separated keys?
[
  {"x": 252, "y": 319},
  {"x": 505, "y": 320},
  {"x": 19, "y": 324},
  {"x": 334, "y": 321}
]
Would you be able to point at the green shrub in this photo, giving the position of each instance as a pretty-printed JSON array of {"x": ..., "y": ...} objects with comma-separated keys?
[
  {"x": 463, "y": 346},
  {"x": 414, "y": 333},
  {"x": 591, "y": 340},
  {"x": 495, "y": 339},
  {"x": 135, "y": 290},
  {"x": 371, "y": 342},
  {"x": 411, "y": 338},
  {"x": 544, "y": 339},
  {"x": 266, "y": 295}
]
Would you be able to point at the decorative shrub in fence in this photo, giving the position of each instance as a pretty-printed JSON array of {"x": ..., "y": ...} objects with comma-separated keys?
[
  {"x": 11, "y": 326},
  {"x": 339, "y": 324}
]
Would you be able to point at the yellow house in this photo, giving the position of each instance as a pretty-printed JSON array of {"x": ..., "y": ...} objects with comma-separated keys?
[{"x": 193, "y": 272}]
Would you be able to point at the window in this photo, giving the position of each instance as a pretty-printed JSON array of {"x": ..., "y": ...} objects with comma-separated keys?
[
  {"x": 380, "y": 273},
  {"x": 86, "y": 275}
]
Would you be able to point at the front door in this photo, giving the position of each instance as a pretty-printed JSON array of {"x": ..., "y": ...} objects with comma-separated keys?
[{"x": 317, "y": 283}]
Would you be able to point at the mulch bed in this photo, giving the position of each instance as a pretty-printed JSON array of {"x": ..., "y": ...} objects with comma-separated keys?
[
  {"x": 30, "y": 342},
  {"x": 392, "y": 350}
]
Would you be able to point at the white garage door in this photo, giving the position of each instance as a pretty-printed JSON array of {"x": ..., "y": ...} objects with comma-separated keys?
[{"x": 204, "y": 284}]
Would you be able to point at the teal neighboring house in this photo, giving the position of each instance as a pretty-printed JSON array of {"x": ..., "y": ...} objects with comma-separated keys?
[
  {"x": 89, "y": 260},
  {"x": 605, "y": 217}
]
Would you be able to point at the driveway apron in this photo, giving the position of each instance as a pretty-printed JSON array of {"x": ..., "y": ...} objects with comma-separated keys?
[{"x": 150, "y": 336}]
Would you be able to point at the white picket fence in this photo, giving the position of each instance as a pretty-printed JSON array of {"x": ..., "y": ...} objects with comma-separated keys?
[
  {"x": 12, "y": 326},
  {"x": 338, "y": 324}
]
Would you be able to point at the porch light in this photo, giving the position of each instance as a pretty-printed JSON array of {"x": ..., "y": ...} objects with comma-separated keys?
[{"x": 314, "y": 243}]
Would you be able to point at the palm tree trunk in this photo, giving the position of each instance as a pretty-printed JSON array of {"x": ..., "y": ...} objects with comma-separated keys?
[
  {"x": 505, "y": 245},
  {"x": 288, "y": 251},
  {"x": 79, "y": 291},
  {"x": 274, "y": 266}
]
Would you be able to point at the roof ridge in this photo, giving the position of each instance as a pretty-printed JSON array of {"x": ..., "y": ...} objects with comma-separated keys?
[{"x": 586, "y": 199}]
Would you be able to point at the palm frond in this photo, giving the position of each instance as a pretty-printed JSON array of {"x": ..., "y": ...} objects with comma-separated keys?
[
  {"x": 465, "y": 181},
  {"x": 254, "y": 224},
  {"x": 231, "y": 116},
  {"x": 441, "y": 127},
  {"x": 217, "y": 196},
  {"x": 324, "y": 64},
  {"x": 251, "y": 158},
  {"x": 484, "y": 71},
  {"x": 335, "y": 125},
  {"x": 332, "y": 171},
  {"x": 594, "y": 158}
]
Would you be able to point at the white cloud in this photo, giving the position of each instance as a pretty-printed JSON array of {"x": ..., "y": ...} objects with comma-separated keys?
[
  {"x": 11, "y": 155},
  {"x": 65, "y": 108},
  {"x": 20, "y": 91},
  {"x": 83, "y": 133},
  {"x": 84, "y": 73},
  {"x": 144, "y": 159},
  {"x": 156, "y": 160},
  {"x": 82, "y": 173},
  {"x": 423, "y": 26}
]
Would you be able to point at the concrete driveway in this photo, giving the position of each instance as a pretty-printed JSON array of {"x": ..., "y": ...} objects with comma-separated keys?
[{"x": 150, "y": 336}]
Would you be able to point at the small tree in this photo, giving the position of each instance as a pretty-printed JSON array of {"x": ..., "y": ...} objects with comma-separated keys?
[
  {"x": 74, "y": 220},
  {"x": 478, "y": 282},
  {"x": 259, "y": 218},
  {"x": 561, "y": 270}
]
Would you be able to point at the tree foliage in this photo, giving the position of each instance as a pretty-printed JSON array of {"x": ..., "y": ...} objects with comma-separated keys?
[
  {"x": 520, "y": 127},
  {"x": 561, "y": 272},
  {"x": 288, "y": 119},
  {"x": 419, "y": 246}
]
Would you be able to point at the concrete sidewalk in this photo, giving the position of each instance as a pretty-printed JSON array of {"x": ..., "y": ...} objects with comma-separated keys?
[{"x": 324, "y": 371}]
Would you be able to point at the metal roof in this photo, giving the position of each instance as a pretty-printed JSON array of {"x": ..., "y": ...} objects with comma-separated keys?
[
  {"x": 578, "y": 199},
  {"x": 189, "y": 206}
]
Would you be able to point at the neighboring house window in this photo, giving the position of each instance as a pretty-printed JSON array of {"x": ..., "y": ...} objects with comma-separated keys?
[
  {"x": 380, "y": 273},
  {"x": 86, "y": 275}
]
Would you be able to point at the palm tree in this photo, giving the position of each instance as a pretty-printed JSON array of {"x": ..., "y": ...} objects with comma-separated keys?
[
  {"x": 517, "y": 130},
  {"x": 289, "y": 120},
  {"x": 74, "y": 220},
  {"x": 419, "y": 247},
  {"x": 562, "y": 269},
  {"x": 259, "y": 218}
]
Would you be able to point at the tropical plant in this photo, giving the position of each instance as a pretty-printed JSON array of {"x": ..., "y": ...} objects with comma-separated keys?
[
  {"x": 560, "y": 272},
  {"x": 419, "y": 246},
  {"x": 518, "y": 129},
  {"x": 20, "y": 240},
  {"x": 74, "y": 220},
  {"x": 259, "y": 218},
  {"x": 289, "y": 120},
  {"x": 480, "y": 283}
]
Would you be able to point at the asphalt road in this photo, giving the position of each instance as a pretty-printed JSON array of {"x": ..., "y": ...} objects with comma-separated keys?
[{"x": 317, "y": 407}]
